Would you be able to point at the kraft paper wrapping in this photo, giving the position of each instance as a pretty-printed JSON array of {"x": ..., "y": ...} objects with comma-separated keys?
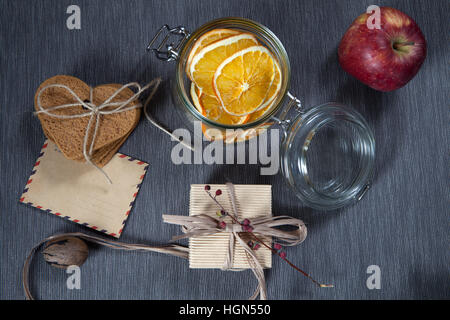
[
  {"x": 78, "y": 192},
  {"x": 210, "y": 251}
]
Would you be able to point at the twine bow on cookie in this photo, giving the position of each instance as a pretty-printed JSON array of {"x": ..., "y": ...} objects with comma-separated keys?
[
  {"x": 203, "y": 225},
  {"x": 94, "y": 112}
]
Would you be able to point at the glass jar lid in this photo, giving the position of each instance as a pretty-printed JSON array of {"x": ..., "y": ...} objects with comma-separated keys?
[{"x": 328, "y": 156}]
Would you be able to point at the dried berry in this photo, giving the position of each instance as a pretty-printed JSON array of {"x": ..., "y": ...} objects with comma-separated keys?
[{"x": 246, "y": 227}]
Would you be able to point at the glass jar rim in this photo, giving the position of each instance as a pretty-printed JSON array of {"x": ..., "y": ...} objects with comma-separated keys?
[{"x": 237, "y": 22}]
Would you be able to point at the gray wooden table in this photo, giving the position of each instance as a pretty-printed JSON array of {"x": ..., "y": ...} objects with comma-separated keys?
[{"x": 401, "y": 225}]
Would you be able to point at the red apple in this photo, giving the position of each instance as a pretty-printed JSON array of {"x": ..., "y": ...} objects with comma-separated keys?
[{"x": 387, "y": 58}]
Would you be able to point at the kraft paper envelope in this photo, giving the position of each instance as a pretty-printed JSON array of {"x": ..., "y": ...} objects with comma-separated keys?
[
  {"x": 210, "y": 251},
  {"x": 80, "y": 193}
]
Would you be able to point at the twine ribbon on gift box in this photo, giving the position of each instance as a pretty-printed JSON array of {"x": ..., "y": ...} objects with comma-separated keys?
[
  {"x": 203, "y": 225},
  {"x": 94, "y": 113}
]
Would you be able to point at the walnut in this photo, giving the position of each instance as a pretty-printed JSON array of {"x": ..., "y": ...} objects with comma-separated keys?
[{"x": 65, "y": 251}]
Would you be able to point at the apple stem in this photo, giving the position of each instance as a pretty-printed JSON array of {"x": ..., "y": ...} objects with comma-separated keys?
[{"x": 400, "y": 45}]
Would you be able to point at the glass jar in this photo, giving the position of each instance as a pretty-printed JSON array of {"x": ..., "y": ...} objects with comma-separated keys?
[
  {"x": 328, "y": 155},
  {"x": 327, "y": 152}
]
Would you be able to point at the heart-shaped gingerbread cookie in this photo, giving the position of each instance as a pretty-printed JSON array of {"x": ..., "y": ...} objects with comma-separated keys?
[{"x": 69, "y": 134}]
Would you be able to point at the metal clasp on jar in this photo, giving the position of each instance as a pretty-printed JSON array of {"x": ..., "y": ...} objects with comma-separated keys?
[
  {"x": 167, "y": 50},
  {"x": 282, "y": 119}
]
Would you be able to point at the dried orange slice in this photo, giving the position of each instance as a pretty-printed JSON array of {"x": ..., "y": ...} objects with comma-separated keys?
[
  {"x": 259, "y": 113},
  {"x": 204, "y": 64},
  {"x": 212, "y": 134},
  {"x": 273, "y": 91},
  {"x": 195, "y": 93},
  {"x": 206, "y": 39},
  {"x": 211, "y": 108},
  {"x": 242, "y": 81},
  {"x": 251, "y": 133}
]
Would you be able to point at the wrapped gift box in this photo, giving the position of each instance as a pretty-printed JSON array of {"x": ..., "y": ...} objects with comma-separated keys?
[{"x": 210, "y": 251}]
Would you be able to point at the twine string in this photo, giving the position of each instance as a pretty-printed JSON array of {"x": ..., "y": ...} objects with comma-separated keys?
[
  {"x": 94, "y": 112},
  {"x": 203, "y": 225},
  {"x": 256, "y": 267},
  {"x": 170, "y": 249},
  {"x": 195, "y": 226}
]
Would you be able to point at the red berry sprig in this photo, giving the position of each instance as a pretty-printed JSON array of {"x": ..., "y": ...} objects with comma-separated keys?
[
  {"x": 246, "y": 226},
  {"x": 253, "y": 245}
]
